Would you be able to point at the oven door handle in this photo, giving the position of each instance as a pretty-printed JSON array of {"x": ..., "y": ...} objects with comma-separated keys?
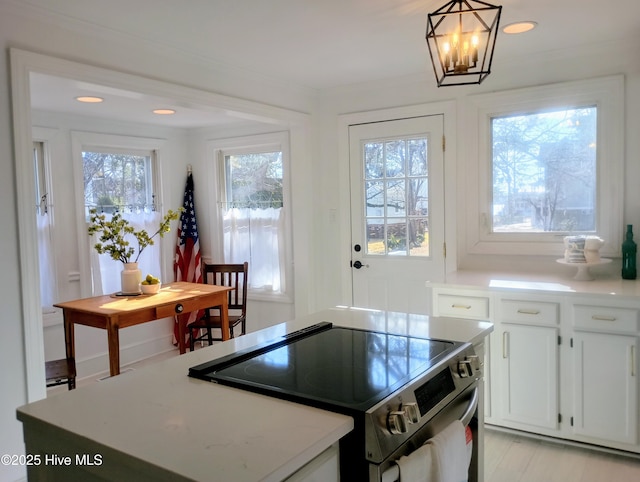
[
  {"x": 473, "y": 404},
  {"x": 392, "y": 474}
]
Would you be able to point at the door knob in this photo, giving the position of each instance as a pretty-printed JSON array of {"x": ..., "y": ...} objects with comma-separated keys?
[{"x": 357, "y": 265}]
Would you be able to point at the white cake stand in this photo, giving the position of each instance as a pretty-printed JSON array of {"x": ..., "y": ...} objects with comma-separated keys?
[{"x": 583, "y": 273}]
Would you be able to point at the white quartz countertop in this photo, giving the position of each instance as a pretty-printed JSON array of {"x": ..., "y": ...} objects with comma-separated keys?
[
  {"x": 602, "y": 284},
  {"x": 159, "y": 417}
]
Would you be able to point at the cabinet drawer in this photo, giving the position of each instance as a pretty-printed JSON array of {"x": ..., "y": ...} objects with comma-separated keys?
[
  {"x": 177, "y": 308},
  {"x": 606, "y": 318},
  {"x": 463, "y": 306},
  {"x": 522, "y": 311}
]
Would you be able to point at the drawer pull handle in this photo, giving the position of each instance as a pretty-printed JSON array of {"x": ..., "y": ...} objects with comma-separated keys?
[
  {"x": 464, "y": 307},
  {"x": 603, "y": 318},
  {"x": 633, "y": 360},
  {"x": 505, "y": 344},
  {"x": 528, "y": 312}
]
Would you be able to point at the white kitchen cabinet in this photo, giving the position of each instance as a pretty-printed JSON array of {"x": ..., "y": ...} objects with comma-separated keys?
[
  {"x": 563, "y": 359},
  {"x": 526, "y": 368},
  {"x": 606, "y": 387},
  {"x": 527, "y": 386},
  {"x": 324, "y": 468},
  {"x": 605, "y": 347}
]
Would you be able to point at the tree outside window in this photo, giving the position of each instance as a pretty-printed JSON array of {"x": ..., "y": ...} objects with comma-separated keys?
[{"x": 544, "y": 171}]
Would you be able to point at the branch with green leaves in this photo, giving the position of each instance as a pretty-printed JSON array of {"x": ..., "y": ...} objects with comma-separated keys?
[{"x": 114, "y": 235}]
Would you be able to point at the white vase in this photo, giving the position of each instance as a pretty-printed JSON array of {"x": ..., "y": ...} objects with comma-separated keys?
[{"x": 130, "y": 279}]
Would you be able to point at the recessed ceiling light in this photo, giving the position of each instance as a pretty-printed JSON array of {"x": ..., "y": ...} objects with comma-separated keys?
[
  {"x": 164, "y": 111},
  {"x": 89, "y": 99},
  {"x": 519, "y": 27}
]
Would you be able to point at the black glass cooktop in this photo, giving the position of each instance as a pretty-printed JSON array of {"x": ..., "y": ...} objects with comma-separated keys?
[{"x": 332, "y": 366}]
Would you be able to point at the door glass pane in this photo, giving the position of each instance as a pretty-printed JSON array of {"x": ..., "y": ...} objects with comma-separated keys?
[
  {"x": 375, "y": 198},
  {"x": 375, "y": 236},
  {"x": 396, "y": 196},
  {"x": 395, "y": 154},
  {"x": 396, "y": 237},
  {"x": 417, "y": 157},
  {"x": 418, "y": 237},
  {"x": 374, "y": 163}
]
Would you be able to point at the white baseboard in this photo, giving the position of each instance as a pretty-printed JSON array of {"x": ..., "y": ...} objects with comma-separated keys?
[{"x": 96, "y": 366}]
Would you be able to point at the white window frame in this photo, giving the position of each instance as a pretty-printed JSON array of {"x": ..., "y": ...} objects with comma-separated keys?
[
  {"x": 90, "y": 141},
  {"x": 277, "y": 141},
  {"x": 607, "y": 94},
  {"x": 48, "y": 136}
]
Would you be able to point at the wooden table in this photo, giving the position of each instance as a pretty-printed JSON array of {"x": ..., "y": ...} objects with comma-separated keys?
[{"x": 111, "y": 313}]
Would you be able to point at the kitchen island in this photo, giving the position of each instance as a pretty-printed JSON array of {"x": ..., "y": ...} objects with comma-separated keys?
[{"x": 156, "y": 423}]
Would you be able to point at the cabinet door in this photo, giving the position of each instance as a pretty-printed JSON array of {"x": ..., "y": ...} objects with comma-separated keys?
[
  {"x": 529, "y": 375},
  {"x": 606, "y": 386}
]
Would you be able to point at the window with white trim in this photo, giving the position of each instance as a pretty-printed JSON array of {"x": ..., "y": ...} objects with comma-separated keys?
[
  {"x": 44, "y": 225},
  {"x": 549, "y": 164},
  {"x": 253, "y": 206},
  {"x": 119, "y": 173}
]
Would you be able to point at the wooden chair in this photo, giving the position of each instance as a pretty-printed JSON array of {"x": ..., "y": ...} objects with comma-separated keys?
[
  {"x": 235, "y": 276},
  {"x": 60, "y": 372}
]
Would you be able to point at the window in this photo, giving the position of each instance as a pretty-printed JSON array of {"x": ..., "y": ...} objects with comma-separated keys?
[
  {"x": 544, "y": 171},
  {"x": 253, "y": 208},
  {"x": 548, "y": 163},
  {"x": 396, "y": 197},
  {"x": 118, "y": 180},
  {"x": 44, "y": 226},
  {"x": 117, "y": 173}
]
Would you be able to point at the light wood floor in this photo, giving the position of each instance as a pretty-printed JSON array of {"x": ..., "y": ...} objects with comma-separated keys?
[{"x": 514, "y": 458}]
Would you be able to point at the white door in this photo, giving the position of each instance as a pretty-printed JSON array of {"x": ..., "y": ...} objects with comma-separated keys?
[
  {"x": 397, "y": 212},
  {"x": 529, "y": 388},
  {"x": 606, "y": 387}
]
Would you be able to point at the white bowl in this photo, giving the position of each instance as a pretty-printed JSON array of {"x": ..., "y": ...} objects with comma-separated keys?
[{"x": 150, "y": 289}]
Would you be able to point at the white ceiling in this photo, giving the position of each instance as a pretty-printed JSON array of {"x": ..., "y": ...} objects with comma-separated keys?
[{"x": 322, "y": 44}]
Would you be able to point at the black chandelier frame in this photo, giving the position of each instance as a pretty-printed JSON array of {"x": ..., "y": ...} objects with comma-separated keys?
[{"x": 447, "y": 71}]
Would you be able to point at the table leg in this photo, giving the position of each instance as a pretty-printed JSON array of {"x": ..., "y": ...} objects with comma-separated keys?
[
  {"x": 113, "y": 339},
  {"x": 224, "y": 318},
  {"x": 69, "y": 335},
  {"x": 182, "y": 326}
]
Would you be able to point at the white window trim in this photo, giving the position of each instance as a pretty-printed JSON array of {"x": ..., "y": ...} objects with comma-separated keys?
[
  {"x": 249, "y": 144},
  {"x": 608, "y": 95},
  {"x": 80, "y": 140},
  {"x": 49, "y": 136}
]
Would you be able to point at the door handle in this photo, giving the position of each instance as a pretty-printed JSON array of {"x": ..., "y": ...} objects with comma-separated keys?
[
  {"x": 357, "y": 264},
  {"x": 505, "y": 344}
]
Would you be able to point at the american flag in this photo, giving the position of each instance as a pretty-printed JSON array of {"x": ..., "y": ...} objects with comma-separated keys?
[{"x": 186, "y": 265}]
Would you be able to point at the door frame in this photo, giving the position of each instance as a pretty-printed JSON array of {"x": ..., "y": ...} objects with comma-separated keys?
[{"x": 448, "y": 110}]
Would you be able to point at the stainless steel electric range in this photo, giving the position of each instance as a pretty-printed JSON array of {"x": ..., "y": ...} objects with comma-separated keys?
[{"x": 400, "y": 390}]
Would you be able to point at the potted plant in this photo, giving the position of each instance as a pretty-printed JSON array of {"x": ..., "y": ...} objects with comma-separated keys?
[{"x": 115, "y": 237}]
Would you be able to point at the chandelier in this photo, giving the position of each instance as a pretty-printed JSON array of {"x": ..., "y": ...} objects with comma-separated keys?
[{"x": 461, "y": 36}]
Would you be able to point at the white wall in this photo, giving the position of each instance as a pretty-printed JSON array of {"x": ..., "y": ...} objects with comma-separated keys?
[
  {"x": 79, "y": 42},
  {"x": 320, "y": 233},
  {"x": 590, "y": 62}
]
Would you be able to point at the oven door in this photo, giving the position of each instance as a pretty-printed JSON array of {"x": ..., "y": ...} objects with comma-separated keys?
[{"x": 463, "y": 408}]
